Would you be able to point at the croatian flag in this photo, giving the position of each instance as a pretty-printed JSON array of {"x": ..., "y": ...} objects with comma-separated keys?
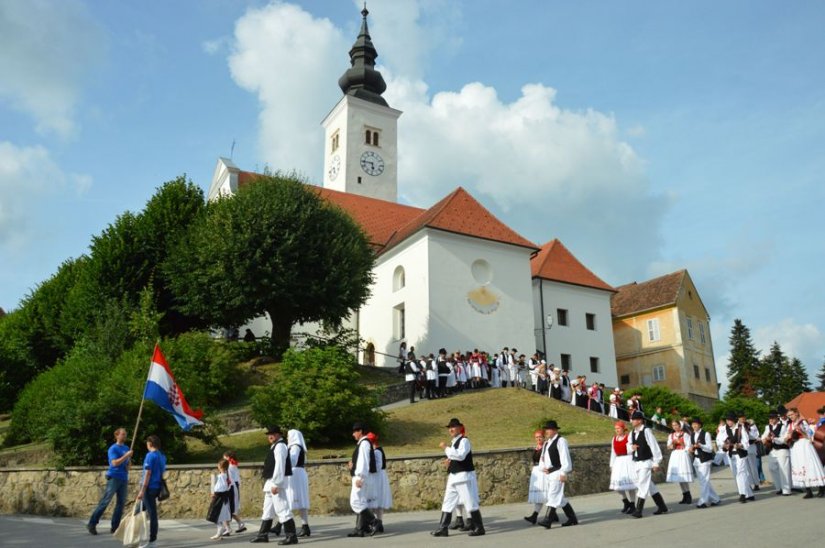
[{"x": 162, "y": 389}]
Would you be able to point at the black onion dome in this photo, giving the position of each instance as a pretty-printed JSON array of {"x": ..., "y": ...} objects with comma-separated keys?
[{"x": 361, "y": 79}]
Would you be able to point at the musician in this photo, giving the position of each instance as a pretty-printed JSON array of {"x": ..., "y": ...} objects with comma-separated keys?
[
  {"x": 734, "y": 439},
  {"x": 646, "y": 458},
  {"x": 753, "y": 437},
  {"x": 557, "y": 465},
  {"x": 775, "y": 439},
  {"x": 701, "y": 448},
  {"x": 806, "y": 468},
  {"x": 679, "y": 465}
]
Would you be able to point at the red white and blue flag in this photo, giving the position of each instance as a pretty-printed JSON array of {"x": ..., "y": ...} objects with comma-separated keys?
[{"x": 162, "y": 389}]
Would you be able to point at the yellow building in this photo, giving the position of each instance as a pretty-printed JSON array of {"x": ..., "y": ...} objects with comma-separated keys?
[{"x": 661, "y": 331}]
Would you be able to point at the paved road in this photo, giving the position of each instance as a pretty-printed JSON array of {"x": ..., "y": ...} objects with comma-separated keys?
[{"x": 770, "y": 521}]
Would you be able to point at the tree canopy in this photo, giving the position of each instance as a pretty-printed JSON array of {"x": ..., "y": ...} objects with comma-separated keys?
[{"x": 743, "y": 363}]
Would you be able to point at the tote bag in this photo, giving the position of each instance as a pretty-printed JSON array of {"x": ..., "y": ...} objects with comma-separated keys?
[{"x": 134, "y": 528}]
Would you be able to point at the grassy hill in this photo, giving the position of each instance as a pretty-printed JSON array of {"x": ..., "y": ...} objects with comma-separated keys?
[{"x": 494, "y": 418}]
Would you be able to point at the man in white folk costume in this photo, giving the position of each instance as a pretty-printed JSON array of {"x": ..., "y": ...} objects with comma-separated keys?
[
  {"x": 700, "y": 446},
  {"x": 557, "y": 465},
  {"x": 462, "y": 486},
  {"x": 734, "y": 439},
  {"x": 775, "y": 440},
  {"x": 753, "y": 437},
  {"x": 363, "y": 471},
  {"x": 277, "y": 470},
  {"x": 646, "y": 457}
]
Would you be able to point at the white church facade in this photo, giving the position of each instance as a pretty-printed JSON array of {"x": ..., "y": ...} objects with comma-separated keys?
[{"x": 451, "y": 275}]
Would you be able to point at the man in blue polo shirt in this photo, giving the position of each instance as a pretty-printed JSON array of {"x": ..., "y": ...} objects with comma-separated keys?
[{"x": 117, "y": 477}]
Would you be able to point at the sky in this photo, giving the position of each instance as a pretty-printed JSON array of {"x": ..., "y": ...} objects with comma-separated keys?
[{"x": 648, "y": 136}]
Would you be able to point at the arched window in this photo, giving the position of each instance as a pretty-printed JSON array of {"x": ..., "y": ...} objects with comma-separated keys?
[
  {"x": 375, "y": 138},
  {"x": 398, "y": 280},
  {"x": 369, "y": 137}
]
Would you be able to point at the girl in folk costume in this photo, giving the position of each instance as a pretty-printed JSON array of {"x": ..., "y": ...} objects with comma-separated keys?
[
  {"x": 615, "y": 403},
  {"x": 679, "y": 466},
  {"x": 806, "y": 468},
  {"x": 297, "y": 490},
  {"x": 721, "y": 458},
  {"x": 382, "y": 494},
  {"x": 235, "y": 497},
  {"x": 622, "y": 470},
  {"x": 475, "y": 364},
  {"x": 537, "y": 495},
  {"x": 219, "y": 512},
  {"x": 555, "y": 382},
  {"x": 582, "y": 399}
]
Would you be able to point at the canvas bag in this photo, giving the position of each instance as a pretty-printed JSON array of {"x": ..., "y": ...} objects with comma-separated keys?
[{"x": 134, "y": 528}]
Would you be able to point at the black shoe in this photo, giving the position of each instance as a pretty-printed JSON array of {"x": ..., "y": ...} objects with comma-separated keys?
[
  {"x": 686, "y": 498},
  {"x": 478, "y": 525},
  {"x": 751, "y": 498},
  {"x": 304, "y": 530},
  {"x": 821, "y": 493},
  {"x": 532, "y": 518},
  {"x": 368, "y": 521},
  {"x": 359, "y": 527},
  {"x": 755, "y": 488},
  {"x": 377, "y": 527},
  {"x": 289, "y": 534},
  {"x": 778, "y": 493},
  {"x": 468, "y": 526},
  {"x": 661, "y": 508},
  {"x": 703, "y": 505},
  {"x": 717, "y": 503},
  {"x": 459, "y": 523},
  {"x": 626, "y": 505},
  {"x": 549, "y": 518},
  {"x": 809, "y": 494},
  {"x": 640, "y": 505},
  {"x": 91, "y": 528},
  {"x": 443, "y": 526},
  {"x": 631, "y": 509},
  {"x": 263, "y": 535},
  {"x": 571, "y": 516},
  {"x": 742, "y": 499},
  {"x": 276, "y": 530}
]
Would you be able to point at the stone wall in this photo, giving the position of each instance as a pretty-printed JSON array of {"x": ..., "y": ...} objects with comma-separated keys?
[{"x": 417, "y": 483}]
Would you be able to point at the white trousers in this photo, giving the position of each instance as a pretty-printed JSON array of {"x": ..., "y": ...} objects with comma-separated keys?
[
  {"x": 707, "y": 494},
  {"x": 555, "y": 491},
  {"x": 753, "y": 467},
  {"x": 741, "y": 473},
  {"x": 459, "y": 494},
  {"x": 644, "y": 480},
  {"x": 359, "y": 497},
  {"x": 277, "y": 506},
  {"x": 779, "y": 464}
]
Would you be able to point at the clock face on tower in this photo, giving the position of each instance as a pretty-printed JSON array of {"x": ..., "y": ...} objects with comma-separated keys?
[
  {"x": 372, "y": 163},
  {"x": 334, "y": 167}
]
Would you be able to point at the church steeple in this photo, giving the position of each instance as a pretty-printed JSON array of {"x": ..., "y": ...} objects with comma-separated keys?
[{"x": 361, "y": 79}]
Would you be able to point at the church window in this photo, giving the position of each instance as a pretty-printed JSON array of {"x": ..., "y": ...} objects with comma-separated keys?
[
  {"x": 369, "y": 137},
  {"x": 658, "y": 373},
  {"x": 398, "y": 322},
  {"x": 398, "y": 279},
  {"x": 336, "y": 141},
  {"x": 594, "y": 365},
  {"x": 653, "y": 330},
  {"x": 565, "y": 362},
  {"x": 590, "y": 319}
]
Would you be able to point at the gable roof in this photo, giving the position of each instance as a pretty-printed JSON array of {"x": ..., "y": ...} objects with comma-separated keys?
[
  {"x": 387, "y": 224},
  {"x": 808, "y": 403},
  {"x": 556, "y": 263},
  {"x": 634, "y": 298}
]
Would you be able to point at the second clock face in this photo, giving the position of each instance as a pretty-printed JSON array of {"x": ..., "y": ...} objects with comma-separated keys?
[{"x": 372, "y": 163}]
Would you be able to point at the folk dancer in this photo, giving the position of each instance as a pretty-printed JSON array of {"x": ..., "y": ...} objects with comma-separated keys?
[
  {"x": 432, "y": 376},
  {"x": 512, "y": 369},
  {"x": 556, "y": 465},
  {"x": 622, "y": 471},
  {"x": 646, "y": 458},
  {"x": 734, "y": 440},
  {"x": 503, "y": 362},
  {"x": 363, "y": 470},
  {"x": 596, "y": 398},
  {"x": 298, "y": 485},
  {"x": 382, "y": 497},
  {"x": 537, "y": 492},
  {"x": 565, "y": 386},
  {"x": 443, "y": 372},
  {"x": 462, "y": 486},
  {"x": 277, "y": 469},
  {"x": 219, "y": 509},
  {"x": 679, "y": 465},
  {"x": 775, "y": 440},
  {"x": 556, "y": 380},
  {"x": 753, "y": 437},
  {"x": 411, "y": 377},
  {"x": 235, "y": 497},
  {"x": 806, "y": 468},
  {"x": 615, "y": 403},
  {"x": 701, "y": 448},
  {"x": 721, "y": 458}
]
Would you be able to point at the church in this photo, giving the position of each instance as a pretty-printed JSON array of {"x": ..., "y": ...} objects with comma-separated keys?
[{"x": 451, "y": 275}]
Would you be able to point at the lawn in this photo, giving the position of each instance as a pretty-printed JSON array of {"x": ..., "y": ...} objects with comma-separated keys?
[{"x": 494, "y": 418}]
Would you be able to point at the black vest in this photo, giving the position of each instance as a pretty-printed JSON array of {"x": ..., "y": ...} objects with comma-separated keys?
[
  {"x": 269, "y": 462},
  {"x": 734, "y": 439},
  {"x": 383, "y": 458},
  {"x": 701, "y": 454},
  {"x": 553, "y": 453},
  {"x": 643, "y": 452},
  {"x": 465, "y": 465},
  {"x": 300, "y": 462},
  {"x": 776, "y": 431},
  {"x": 287, "y": 460},
  {"x": 372, "y": 468}
]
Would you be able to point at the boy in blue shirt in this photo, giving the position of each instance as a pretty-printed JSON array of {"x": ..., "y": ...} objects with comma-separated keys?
[
  {"x": 117, "y": 482},
  {"x": 154, "y": 465}
]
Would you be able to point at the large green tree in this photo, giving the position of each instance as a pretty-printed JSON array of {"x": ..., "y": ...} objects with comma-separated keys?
[
  {"x": 743, "y": 363},
  {"x": 780, "y": 378},
  {"x": 274, "y": 247},
  {"x": 821, "y": 378}
]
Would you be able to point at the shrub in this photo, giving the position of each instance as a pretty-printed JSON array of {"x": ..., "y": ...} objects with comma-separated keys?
[
  {"x": 753, "y": 408},
  {"x": 316, "y": 391},
  {"x": 661, "y": 396}
]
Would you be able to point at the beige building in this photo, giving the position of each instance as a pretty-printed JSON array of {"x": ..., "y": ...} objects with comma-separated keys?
[{"x": 661, "y": 331}]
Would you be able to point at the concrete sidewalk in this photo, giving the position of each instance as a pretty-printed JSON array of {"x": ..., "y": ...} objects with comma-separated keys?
[{"x": 770, "y": 520}]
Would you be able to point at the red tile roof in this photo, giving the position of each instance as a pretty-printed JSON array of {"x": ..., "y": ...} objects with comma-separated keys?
[
  {"x": 556, "y": 263},
  {"x": 635, "y": 297},
  {"x": 387, "y": 224},
  {"x": 808, "y": 403}
]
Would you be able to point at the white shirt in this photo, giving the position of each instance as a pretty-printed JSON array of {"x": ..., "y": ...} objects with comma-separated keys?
[{"x": 564, "y": 455}]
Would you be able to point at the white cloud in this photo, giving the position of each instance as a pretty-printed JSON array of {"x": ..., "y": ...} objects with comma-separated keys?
[
  {"x": 798, "y": 340},
  {"x": 217, "y": 45},
  {"x": 48, "y": 49},
  {"x": 28, "y": 175}
]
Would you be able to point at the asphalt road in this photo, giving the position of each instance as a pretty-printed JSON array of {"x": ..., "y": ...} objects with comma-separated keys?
[{"x": 769, "y": 521}]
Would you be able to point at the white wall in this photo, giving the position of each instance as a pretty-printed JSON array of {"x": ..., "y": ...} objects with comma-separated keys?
[{"x": 575, "y": 339}]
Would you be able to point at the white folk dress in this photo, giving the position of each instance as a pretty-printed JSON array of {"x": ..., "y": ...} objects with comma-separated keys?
[
  {"x": 806, "y": 468},
  {"x": 538, "y": 487},
  {"x": 622, "y": 470},
  {"x": 679, "y": 466},
  {"x": 382, "y": 494},
  {"x": 235, "y": 478},
  {"x": 298, "y": 484},
  {"x": 222, "y": 485}
]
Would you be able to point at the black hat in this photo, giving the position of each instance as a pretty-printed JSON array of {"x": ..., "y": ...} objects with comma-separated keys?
[
  {"x": 274, "y": 430},
  {"x": 551, "y": 425},
  {"x": 696, "y": 420},
  {"x": 637, "y": 415},
  {"x": 731, "y": 416},
  {"x": 773, "y": 415},
  {"x": 781, "y": 410},
  {"x": 454, "y": 422},
  {"x": 742, "y": 414},
  {"x": 359, "y": 426}
]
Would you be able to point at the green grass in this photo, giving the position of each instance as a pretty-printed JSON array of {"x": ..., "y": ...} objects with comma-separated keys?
[{"x": 494, "y": 418}]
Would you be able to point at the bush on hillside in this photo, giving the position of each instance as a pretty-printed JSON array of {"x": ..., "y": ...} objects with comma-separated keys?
[
  {"x": 661, "y": 396},
  {"x": 317, "y": 392}
]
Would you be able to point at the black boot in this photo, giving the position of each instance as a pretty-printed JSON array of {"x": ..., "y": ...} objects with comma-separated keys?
[
  {"x": 276, "y": 529},
  {"x": 443, "y": 530},
  {"x": 640, "y": 505},
  {"x": 686, "y": 498},
  {"x": 631, "y": 509},
  {"x": 262, "y": 535},
  {"x": 821, "y": 493},
  {"x": 305, "y": 532},
  {"x": 809, "y": 494},
  {"x": 571, "y": 516},
  {"x": 468, "y": 525},
  {"x": 626, "y": 504},
  {"x": 478, "y": 525},
  {"x": 549, "y": 518},
  {"x": 368, "y": 523},
  {"x": 661, "y": 508},
  {"x": 532, "y": 518},
  {"x": 459, "y": 523},
  {"x": 289, "y": 533},
  {"x": 359, "y": 526},
  {"x": 377, "y": 527}
]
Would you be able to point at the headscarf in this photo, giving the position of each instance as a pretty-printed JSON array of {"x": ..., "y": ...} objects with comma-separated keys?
[{"x": 295, "y": 437}]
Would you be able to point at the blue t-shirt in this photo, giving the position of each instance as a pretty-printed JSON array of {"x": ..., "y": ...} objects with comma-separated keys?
[
  {"x": 120, "y": 471},
  {"x": 156, "y": 462}
]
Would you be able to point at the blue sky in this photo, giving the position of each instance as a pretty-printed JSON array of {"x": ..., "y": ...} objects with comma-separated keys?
[{"x": 649, "y": 136}]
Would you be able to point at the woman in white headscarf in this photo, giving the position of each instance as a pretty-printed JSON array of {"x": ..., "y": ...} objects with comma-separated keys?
[{"x": 297, "y": 490}]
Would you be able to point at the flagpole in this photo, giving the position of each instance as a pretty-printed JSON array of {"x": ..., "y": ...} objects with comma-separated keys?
[{"x": 142, "y": 399}]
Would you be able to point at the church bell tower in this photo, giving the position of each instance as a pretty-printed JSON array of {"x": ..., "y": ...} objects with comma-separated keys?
[{"x": 361, "y": 131}]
